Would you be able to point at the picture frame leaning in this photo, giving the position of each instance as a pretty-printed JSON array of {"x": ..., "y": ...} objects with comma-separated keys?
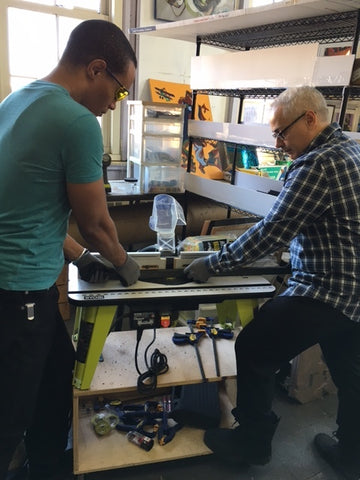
[
  {"x": 174, "y": 10},
  {"x": 351, "y": 120}
]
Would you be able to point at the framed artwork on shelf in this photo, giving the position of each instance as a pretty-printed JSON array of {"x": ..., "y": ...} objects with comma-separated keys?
[
  {"x": 174, "y": 10},
  {"x": 257, "y": 111},
  {"x": 211, "y": 159},
  {"x": 253, "y": 110},
  {"x": 351, "y": 121},
  {"x": 171, "y": 92},
  {"x": 334, "y": 49}
]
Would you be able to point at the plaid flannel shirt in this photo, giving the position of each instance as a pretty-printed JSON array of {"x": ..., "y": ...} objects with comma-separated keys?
[{"x": 317, "y": 214}]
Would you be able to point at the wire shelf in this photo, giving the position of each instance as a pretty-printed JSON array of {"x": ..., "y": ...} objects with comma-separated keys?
[
  {"x": 331, "y": 93},
  {"x": 339, "y": 27}
]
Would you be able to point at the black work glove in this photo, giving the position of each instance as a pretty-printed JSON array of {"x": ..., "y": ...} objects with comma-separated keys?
[
  {"x": 91, "y": 268},
  {"x": 198, "y": 270},
  {"x": 128, "y": 273}
]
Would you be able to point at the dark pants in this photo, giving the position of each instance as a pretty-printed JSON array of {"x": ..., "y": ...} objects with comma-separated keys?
[
  {"x": 283, "y": 328},
  {"x": 36, "y": 362}
]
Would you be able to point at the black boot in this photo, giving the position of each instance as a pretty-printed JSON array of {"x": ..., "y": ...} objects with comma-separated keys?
[
  {"x": 19, "y": 473},
  {"x": 344, "y": 460},
  {"x": 62, "y": 471},
  {"x": 249, "y": 443}
]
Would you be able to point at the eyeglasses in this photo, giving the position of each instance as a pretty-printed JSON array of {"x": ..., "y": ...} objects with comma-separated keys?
[
  {"x": 281, "y": 133},
  {"x": 121, "y": 92}
]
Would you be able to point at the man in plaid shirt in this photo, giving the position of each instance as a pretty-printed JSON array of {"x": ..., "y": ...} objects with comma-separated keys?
[{"x": 317, "y": 213}]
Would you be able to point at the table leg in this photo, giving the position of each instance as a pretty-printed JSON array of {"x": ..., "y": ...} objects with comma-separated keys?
[{"x": 93, "y": 325}]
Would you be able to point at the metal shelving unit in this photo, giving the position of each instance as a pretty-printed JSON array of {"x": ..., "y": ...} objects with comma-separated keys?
[
  {"x": 331, "y": 28},
  {"x": 338, "y": 27},
  {"x": 293, "y": 22},
  {"x": 286, "y": 11},
  {"x": 331, "y": 93}
]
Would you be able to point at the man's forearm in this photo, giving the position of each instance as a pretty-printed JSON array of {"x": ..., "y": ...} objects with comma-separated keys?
[
  {"x": 92, "y": 216},
  {"x": 72, "y": 249},
  {"x": 104, "y": 239}
]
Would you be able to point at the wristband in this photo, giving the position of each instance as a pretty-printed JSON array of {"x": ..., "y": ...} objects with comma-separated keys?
[{"x": 81, "y": 255}]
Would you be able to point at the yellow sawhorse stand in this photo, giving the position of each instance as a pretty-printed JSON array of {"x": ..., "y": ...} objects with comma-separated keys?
[
  {"x": 231, "y": 311},
  {"x": 91, "y": 327}
]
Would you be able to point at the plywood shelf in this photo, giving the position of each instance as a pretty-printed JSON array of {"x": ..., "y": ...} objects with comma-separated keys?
[
  {"x": 114, "y": 451},
  {"x": 116, "y": 376}
]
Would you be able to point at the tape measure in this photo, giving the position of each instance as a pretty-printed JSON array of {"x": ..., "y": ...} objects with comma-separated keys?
[{"x": 104, "y": 422}]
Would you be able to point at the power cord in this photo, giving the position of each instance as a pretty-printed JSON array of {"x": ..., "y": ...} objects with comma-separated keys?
[{"x": 147, "y": 381}]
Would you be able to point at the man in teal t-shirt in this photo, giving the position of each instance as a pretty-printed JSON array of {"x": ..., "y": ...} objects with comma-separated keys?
[
  {"x": 40, "y": 153},
  {"x": 51, "y": 164}
]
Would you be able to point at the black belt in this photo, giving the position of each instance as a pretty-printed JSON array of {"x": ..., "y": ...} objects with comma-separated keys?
[{"x": 15, "y": 295}]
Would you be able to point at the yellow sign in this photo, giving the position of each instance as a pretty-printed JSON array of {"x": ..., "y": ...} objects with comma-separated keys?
[
  {"x": 209, "y": 158},
  {"x": 171, "y": 92}
]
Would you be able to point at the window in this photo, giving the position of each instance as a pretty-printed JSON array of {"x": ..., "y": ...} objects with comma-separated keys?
[
  {"x": 36, "y": 42},
  {"x": 33, "y": 35},
  {"x": 88, "y": 4},
  {"x": 37, "y": 33}
]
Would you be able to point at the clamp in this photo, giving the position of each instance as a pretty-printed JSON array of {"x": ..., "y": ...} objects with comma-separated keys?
[
  {"x": 214, "y": 333},
  {"x": 166, "y": 432},
  {"x": 138, "y": 417},
  {"x": 191, "y": 338}
]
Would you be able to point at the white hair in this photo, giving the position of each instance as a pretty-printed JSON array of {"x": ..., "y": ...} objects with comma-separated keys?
[{"x": 296, "y": 100}]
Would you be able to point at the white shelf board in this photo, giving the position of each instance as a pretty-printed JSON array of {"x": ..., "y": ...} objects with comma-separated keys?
[
  {"x": 240, "y": 133},
  {"x": 255, "y": 182},
  {"x": 249, "y": 134},
  {"x": 287, "y": 10},
  {"x": 233, "y": 195},
  {"x": 260, "y": 69},
  {"x": 354, "y": 135}
]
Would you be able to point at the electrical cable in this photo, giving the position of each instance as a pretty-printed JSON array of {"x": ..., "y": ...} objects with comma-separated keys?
[{"x": 158, "y": 365}]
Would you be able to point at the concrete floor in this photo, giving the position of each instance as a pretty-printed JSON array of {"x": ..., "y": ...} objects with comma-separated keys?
[{"x": 294, "y": 457}]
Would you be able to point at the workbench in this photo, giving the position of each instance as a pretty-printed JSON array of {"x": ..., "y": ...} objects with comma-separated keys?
[{"x": 116, "y": 376}]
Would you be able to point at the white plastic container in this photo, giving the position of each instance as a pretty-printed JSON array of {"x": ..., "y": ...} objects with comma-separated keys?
[{"x": 161, "y": 179}]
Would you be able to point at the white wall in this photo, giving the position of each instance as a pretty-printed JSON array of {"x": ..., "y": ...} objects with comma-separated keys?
[
  {"x": 168, "y": 60},
  {"x": 161, "y": 59}
]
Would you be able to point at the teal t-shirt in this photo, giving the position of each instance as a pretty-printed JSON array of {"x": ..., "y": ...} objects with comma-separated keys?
[{"x": 46, "y": 140}]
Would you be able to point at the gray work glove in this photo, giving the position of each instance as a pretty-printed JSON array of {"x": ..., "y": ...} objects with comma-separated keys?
[
  {"x": 91, "y": 268},
  {"x": 198, "y": 270},
  {"x": 128, "y": 273}
]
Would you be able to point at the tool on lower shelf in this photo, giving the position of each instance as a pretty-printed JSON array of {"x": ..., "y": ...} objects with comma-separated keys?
[
  {"x": 167, "y": 431},
  {"x": 141, "y": 422},
  {"x": 104, "y": 422},
  {"x": 141, "y": 440},
  {"x": 141, "y": 418}
]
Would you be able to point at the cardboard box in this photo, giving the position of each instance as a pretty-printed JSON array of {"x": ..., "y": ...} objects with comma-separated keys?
[{"x": 310, "y": 378}]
